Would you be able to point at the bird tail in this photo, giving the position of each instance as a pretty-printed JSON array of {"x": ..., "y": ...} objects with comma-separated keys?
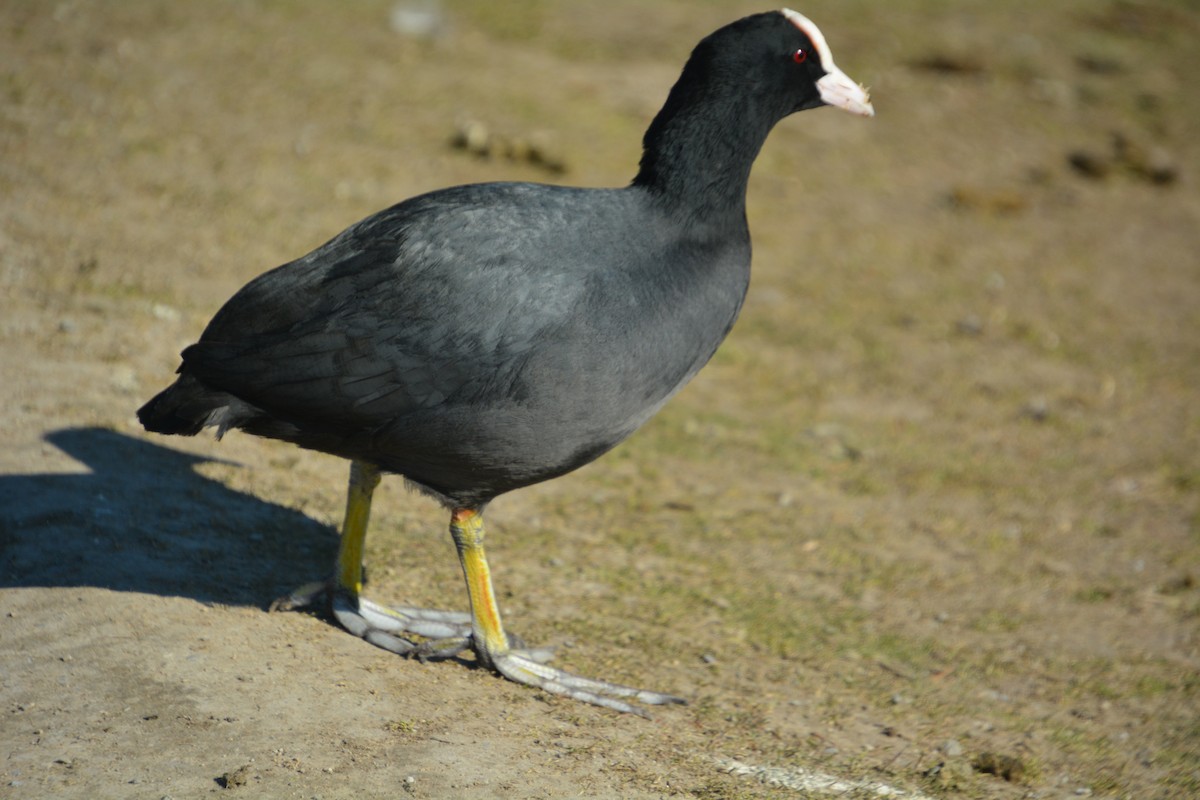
[{"x": 188, "y": 406}]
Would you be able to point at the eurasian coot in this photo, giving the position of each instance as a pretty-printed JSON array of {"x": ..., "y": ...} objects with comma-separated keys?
[{"x": 487, "y": 337}]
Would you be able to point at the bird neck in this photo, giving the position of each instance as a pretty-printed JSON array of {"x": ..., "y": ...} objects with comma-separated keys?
[{"x": 698, "y": 152}]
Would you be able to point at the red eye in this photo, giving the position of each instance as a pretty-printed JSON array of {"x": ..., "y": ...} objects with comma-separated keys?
[{"x": 800, "y": 56}]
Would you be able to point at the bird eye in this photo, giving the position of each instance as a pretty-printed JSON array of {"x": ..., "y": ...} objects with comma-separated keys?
[{"x": 800, "y": 56}]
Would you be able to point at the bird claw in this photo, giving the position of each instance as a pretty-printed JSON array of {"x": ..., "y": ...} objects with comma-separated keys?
[
  {"x": 440, "y": 649},
  {"x": 529, "y": 668},
  {"x": 379, "y": 625},
  {"x": 527, "y": 665},
  {"x": 301, "y": 597},
  {"x": 446, "y": 634}
]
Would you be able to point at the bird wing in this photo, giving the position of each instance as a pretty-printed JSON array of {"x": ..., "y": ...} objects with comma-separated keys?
[{"x": 386, "y": 319}]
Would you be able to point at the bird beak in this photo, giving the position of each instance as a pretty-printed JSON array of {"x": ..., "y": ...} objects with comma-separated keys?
[{"x": 839, "y": 91}]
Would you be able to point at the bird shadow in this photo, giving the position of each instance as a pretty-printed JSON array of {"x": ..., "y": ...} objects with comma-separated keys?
[{"x": 142, "y": 519}]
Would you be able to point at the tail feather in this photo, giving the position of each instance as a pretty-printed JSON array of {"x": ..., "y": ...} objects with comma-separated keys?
[{"x": 188, "y": 406}]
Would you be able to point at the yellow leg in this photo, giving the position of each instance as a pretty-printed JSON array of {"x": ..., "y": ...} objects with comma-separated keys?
[
  {"x": 379, "y": 625},
  {"x": 446, "y": 633},
  {"x": 466, "y": 526},
  {"x": 512, "y": 659},
  {"x": 364, "y": 478}
]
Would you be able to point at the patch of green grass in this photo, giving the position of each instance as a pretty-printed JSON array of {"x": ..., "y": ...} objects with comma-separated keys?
[
  {"x": 402, "y": 726},
  {"x": 1094, "y": 594},
  {"x": 914, "y": 653},
  {"x": 1153, "y": 686},
  {"x": 518, "y": 20},
  {"x": 998, "y": 621},
  {"x": 1180, "y": 759},
  {"x": 1092, "y": 748}
]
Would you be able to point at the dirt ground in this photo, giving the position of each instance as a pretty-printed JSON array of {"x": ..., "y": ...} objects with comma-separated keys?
[{"x": 930, "y": 520}]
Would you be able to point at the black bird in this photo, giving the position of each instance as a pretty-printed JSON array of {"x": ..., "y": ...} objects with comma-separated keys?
[{"x": 487, "y": 337}]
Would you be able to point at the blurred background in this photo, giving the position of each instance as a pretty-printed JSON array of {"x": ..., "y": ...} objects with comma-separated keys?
[{"x": 931, "y": 516}]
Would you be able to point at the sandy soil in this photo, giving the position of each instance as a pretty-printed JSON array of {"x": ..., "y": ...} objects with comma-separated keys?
[{"x": 931, "y": 518}]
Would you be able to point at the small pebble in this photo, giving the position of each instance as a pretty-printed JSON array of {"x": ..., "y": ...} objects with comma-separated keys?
[
  {"x": 1146, "y": 161},
  {"x": 970, "y": 325},
  {"x": 1036, "y": 409},
  {"x": 164, "y": 312},
  {"x": 418, "y": 20},
  {"x": 124, "y": 379},
  {"x": 1089, "y": 164},
  {"x": 951, "y": 747},
  {"x": 537, "y": 149},
  {"x": 951, "y": 775}
]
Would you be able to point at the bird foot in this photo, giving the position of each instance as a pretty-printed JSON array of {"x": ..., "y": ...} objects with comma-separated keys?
[
  {"x": 528, "y": 667},
  {"x": 438, "y": 649},
  {"x": 446, "y": 634},
  {"x": 380, "y": 625}
]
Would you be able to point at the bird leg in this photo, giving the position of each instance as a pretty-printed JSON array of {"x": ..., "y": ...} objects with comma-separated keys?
[
  {"x": 378, "y": 624},
  {"x": 497, "y": 650},
  {"x": 447, "y": 633}
]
